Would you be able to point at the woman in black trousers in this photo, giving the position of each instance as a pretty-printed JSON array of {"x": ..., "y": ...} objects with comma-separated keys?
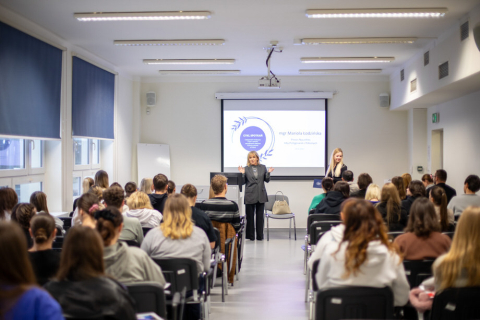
[{"x": 254, "y": 177}]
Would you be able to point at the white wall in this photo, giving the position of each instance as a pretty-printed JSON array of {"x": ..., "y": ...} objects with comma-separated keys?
[
  {"x": 187, "y": 117},
  {"x": 417, "y": 142},
  {"x": 459, "y": 119}
]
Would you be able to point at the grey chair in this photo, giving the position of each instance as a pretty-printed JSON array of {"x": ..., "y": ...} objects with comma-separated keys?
[
  {"x": 270, "y": 215},
  {"x": 149, "y": 297}
]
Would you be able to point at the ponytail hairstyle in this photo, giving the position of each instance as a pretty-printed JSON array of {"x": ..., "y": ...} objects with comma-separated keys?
[
  {"x": 87, "y": 184},
  {"x": 439, "y": 198},
  {"x": 39, "y": 200},
  {"x": 392, "y": 199},
  {"x": 22, "y": 213},
  {"x": 177, "y": 218},
  {"x": 327, "y": 184},
  {"x": 108, "y": 220},
  {"x": 331, "y": 166},
  {"x": 171, "y": 187},
  {"x": 401, "y": 188},
  {"x": 8, "y": 200},
  {"x": 88, "y": 203},
  {"x": 43, "y": 226}
]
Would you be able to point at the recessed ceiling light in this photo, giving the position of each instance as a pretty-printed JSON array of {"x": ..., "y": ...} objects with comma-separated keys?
[
  {"x": 189, "y": 61},
  {"x": 347, "y": 59},
  {"x": 201, "y": 42},
  {"x": 198, "y": 72},
  {"x": 378, "y": 13},
  {"x": 145, "y": 16},
  {"x": 338, "y": 71},
  {"x": 315, "y": 41}
]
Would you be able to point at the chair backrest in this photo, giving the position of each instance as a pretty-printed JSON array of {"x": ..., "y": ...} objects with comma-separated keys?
[
  {"x": 354, "y": 303},
  {"x": 456, "y": 303},
  {"x": 180, "y": 272},
  {"x": 417, "y": 271},
  {"x": 314, "y": 273},
  {"x": 321, "y": 217},
  {"x": 450, "y": 234},
  {"x": 318, "y": 229},
  {"x": 270, "y": 202},
  {"x": 217, "y": 235},
  {"x": 131, "y": 243},
  {"x": 145, "y": 230},
  {"x": 58, "y": 242},
  {"x": 67, "y": 222},
  {"x": 393, "y": 234},
  {"x": 149, "y": 297}
]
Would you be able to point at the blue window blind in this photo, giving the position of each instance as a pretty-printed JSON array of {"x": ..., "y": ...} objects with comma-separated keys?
[
  {"x": 30, "y": 85},
  {"x": 93, "y": 93}
]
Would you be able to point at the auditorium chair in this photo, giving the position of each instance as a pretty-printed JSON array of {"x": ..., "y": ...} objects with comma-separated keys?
[
  {"x": 149, "y": 297},
  {"x": 456, "y": 303},
  {"x": 145, "y": 230},
  {"x": 269, "y": 215},
  {"x": 417, "y": 271}
]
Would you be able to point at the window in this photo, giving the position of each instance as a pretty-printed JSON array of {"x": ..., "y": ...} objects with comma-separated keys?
[
  {"x": 86, "y": 153},
  {"x": 21, "y": 157},
  {"x": 78, "y": 177}
]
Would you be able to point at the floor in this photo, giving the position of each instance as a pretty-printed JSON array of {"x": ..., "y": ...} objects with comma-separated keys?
[{"x": 271, "y": 282}]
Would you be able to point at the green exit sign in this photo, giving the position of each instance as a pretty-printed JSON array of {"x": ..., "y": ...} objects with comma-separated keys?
[{"x": 435, "y": 117}]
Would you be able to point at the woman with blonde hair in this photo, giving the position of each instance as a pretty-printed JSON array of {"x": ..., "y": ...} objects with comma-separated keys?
[
  {"x": 146, "y": 185},
  {"x": 87, "y": 184},
  {"x": 336, "y": 167},
  {"x": 141, "y": 208},
  {"x": 373, "y": 193},
  {"x": 401, "y": 188},
  {"x": 391, "y": 209},
  {"x": 364, "y": 256}
]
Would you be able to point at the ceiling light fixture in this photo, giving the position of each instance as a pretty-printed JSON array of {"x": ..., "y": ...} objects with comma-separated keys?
[
  {"x": 144, "y": 16},
  {"x": 189, "y": 61},
  {"x": 347, "y": 59},
  {"x": 316, "y": 41},
  {"x": 201, "y": 42},
  {"x": 338, "y": 71},
  {"x": 198, "y": 72},
  {"x": 378, "y": 13}
]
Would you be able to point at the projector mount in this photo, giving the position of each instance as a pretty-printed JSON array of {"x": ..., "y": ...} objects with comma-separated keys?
[{"x": 271, "y": 80}]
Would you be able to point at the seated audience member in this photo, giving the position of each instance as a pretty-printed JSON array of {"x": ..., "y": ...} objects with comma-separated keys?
[
  {"x": 124, "y": 207},
  {"x": 415, "y": 190},
  {"x": 22, "y": 213},
  {"x": 81, "y": 287},
  {"x": 220, "y": 208},
  {"x": 141, "y": 209},
  {"x": 422, "y": 238},
  {"x": 20, "y": 297},
  {"x": 158, "y": 198},
  {"x": 171, "y": 189},
  {"x": 44, "y": 260},
  {"x": 373, "y": 193},
  {"x": 440, "y": 178},
  {"x": 8, "y": 200},
  {"x": 87, "y": 205},
  {"x": 130, "y": 187},
  {"x": 199, "y": 217},
  {"x": 364, "y": 181},
  {"x": 132, "y": 229},
  {"x": 470, "y": 198},
  {"x": 146, "y": 185},
  {"x": 327, "y": 185},
  {"x": 398, "y": 183},
  {"x": 445, "y": 216},
  {"x": 407, "y": 178},
  {"x": 86, "y": 185},
  {"x": 98, "y": 193},
  {"x": 333, "y": 200},
  {"x": 391, "y": 209},
  {"x": 126, "y": 264},
  {"x": 101, "y": 179},
  {"x": 365, "y": 256},
  {"x": 39, "y": 200},
  {"x": 427, "y": 180},
  {"x": 347, "y": 176}
]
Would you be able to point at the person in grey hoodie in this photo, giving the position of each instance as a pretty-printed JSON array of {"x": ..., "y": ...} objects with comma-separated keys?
[{"x": 126, "y": 264}]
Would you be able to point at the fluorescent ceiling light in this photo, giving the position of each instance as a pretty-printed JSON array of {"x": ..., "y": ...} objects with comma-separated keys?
[
  {"x": 198, "y": 72},
  {"x": 189, "y": 61},
  {"x": 378, "y": 13},
  {"x": 315, "y": 41},
  {"x": 201, "y": 42},
  {"x": 145, "y": 16},
  {"x": 338, "y": 71},
  {"x": 347, "y": 59}
]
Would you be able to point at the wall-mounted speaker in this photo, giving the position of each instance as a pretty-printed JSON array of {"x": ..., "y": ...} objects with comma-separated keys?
[
  {"x": 476, "y": 35},
  {"x": 151, "y": 99},
  {"x": 384, "y": 100}
]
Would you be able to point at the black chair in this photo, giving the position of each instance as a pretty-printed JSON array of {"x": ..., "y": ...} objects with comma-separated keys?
[
  {"x": 67, "y": 222},
  {"x": 218, "y": 258},
  {"x": 450, "y": 234},
  {"x": 456, "y": 303},
  {"x": 58, "y": 242},
  {"x": 131, "y": 243},
  {"x": 417, "y": 271},
  {"x": 145, "y": 230},
  {"x": 393, "y": 234},
  {"x": 354, "y": 303},
  {"x": 149, "y": 297},
  {"x": 318, "y": 229}
]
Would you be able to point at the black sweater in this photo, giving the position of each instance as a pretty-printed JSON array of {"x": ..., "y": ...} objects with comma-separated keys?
[
  {"x": 331, "y": 203},
  {"x": 45, "y": 264},
  {"x": 395, "y": 225}
]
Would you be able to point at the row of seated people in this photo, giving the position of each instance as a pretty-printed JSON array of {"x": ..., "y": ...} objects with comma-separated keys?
[{"x": 389, "y": 203}]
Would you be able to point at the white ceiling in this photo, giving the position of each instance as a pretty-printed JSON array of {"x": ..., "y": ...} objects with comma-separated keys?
[{"x": 247, "y": 26}]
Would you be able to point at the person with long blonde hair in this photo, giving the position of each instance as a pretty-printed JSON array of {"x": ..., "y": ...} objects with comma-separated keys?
[
  {"x": 146, "y": 185},
  {"x": 364, "y": 256},
  {"x": 391, "y": 209},
  {"x": 336, "y": 167}
]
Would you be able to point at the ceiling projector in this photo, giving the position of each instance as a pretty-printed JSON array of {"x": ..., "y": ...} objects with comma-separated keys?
[{"x": 270, "y": 81}]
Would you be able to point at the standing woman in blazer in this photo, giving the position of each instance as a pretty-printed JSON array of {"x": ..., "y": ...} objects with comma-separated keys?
[
  {"x": 336, "y": 168},
  {"x": 254, "y": 177}
]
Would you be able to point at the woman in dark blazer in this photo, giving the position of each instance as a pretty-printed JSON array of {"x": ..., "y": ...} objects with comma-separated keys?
[{"x": 254, "y": 177}]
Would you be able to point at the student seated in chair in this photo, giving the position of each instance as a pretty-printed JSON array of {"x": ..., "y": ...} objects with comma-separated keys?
[
  {"x": 159, "y": 192},
  {"x": 470, "y": 198}
]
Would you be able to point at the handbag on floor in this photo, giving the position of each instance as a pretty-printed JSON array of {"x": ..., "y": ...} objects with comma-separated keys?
[{"x": 280, "y": 206}]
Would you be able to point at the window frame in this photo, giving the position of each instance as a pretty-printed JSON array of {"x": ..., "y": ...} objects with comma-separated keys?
[
  {"x": 90, "y": 165},
  {"x": 29, "y": 179},
  {"x": 27, "y": 170}
]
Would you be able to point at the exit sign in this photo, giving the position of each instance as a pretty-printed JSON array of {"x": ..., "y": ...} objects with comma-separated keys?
[{"x": 435, "y": 117}]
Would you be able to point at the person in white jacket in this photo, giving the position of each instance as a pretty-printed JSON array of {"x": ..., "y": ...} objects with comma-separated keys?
[
  {"x": 363, "y": 256},
  {"x": 141, "y": 208}
]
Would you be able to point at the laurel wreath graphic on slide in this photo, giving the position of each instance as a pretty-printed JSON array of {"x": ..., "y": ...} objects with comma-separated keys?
[{"x": 242, "y": 121}]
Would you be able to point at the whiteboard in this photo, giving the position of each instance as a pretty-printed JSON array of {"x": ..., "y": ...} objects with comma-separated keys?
[{"x": 153, "y": 159}]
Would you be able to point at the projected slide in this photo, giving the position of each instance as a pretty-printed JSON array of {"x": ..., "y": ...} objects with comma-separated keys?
[{"x": 288, "y": 135}]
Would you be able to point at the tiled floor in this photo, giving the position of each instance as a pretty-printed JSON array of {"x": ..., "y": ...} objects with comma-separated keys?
[{"x": 271, "y": 282}]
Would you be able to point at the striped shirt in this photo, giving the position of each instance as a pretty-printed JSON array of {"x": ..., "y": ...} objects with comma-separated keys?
[{"x": 221, "y": 210}]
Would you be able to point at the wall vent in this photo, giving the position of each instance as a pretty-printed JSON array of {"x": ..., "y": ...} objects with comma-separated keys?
[
  {"x": 426, "y": 58},
  {"x": 413, "y": 85},
  {"x": 402, "y": 74},
  {"x": 443, "y": 70},
  {"x": 464, "y": 31}
]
